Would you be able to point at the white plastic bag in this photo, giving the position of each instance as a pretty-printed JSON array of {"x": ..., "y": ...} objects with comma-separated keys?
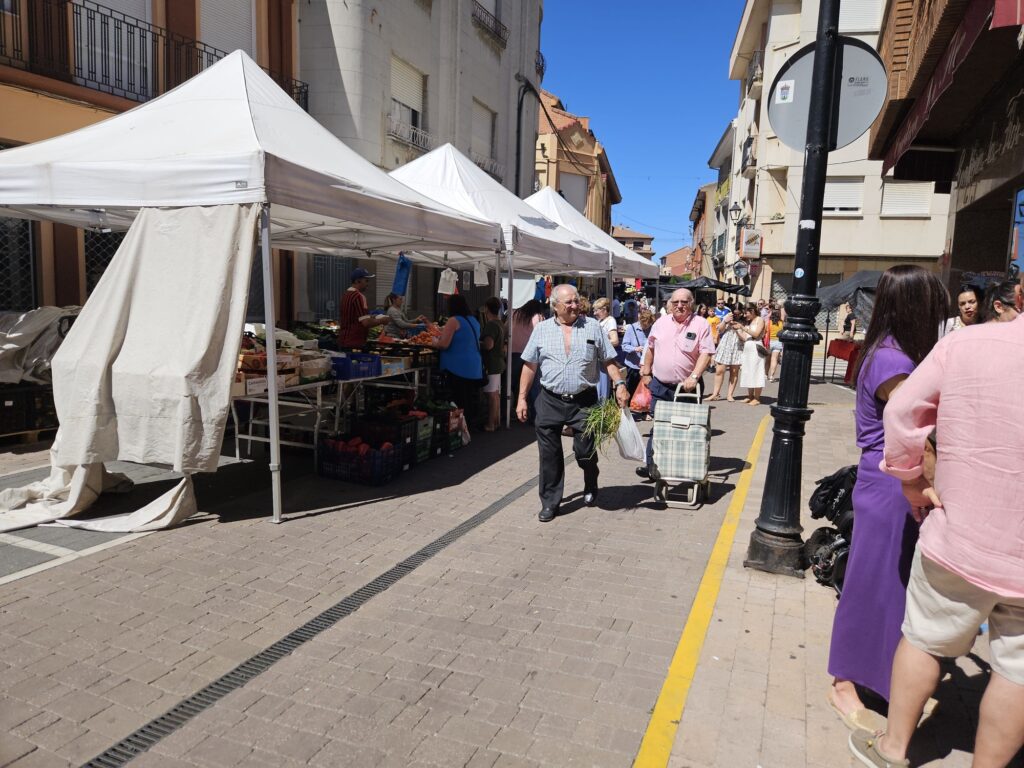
[{"x": 631, "y": 445}]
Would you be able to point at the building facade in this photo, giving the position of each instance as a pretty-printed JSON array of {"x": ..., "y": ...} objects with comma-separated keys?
[
  {"x": 955, "y": 118},
  {"x": 718, "y": 203},
  {"x": 395, "y": 78},
  {"x": 871, "y": 219},
  {"x": 572, "y": 161},
  {"x": 66, "y": 64},
  {"x": 682, "y": 262},
  {"x": 637, "y": 242},
  {"x": 702, "y": 222}
]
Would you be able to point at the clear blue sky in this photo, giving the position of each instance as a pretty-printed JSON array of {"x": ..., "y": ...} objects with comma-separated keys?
[{"x": 653, "y": 77}]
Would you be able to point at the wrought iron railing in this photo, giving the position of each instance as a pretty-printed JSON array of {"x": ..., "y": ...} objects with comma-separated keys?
[
  {"x": 409, "y": 134},
  {"x": 488, "y": 22},
  {"x": 489, "y": 164},
  {"x": 541, "y": 65},
  {"x": 88, "y": 44}
]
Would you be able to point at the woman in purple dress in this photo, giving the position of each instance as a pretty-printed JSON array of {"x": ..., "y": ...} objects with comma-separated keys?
[{"x": 910, "y": 307}]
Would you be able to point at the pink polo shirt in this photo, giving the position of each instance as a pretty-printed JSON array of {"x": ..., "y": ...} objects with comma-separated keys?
[
  {"x": 677, "y": 346},
  {"x": 970, "y": 390}
]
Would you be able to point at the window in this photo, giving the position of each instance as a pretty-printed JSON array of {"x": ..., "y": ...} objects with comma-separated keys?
[
  {"x": 573, "y": 188},
  {"x": 407, "y": 88},
  {"x": 906, "y": 198},
  {"x": 843, "y": 195},
  {"x": 482, "y": 137},
  {"x": 225, "y": 24},
  {"x": 638, "y": 245},
  {"x": 860, "y": 16}
]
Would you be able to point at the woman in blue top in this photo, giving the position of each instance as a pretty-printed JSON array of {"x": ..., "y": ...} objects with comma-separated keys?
[
  {"x": 633, "y": 342},
  {"x": 459, "y": 343}
]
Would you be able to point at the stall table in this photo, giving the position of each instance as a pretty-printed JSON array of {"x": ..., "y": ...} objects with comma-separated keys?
[{"x": 844, "y": 349}]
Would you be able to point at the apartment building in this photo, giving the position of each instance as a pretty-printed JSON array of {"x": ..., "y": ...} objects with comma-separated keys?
[
  {"x": 955, "y": 118},
  {"x": 722, "y": 243},
  {"x": 572, "y": 161},
  {"x": 395, "y": 78},
  {"x": 702, "y": 223},
  {"x": 637, "y": 242},
  {"x": 871, "y": 219},
  {"x": 66, "y": 64}
]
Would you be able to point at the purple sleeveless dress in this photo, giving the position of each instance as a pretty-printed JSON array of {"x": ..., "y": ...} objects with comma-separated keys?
[{"x": 866, "y": 628}]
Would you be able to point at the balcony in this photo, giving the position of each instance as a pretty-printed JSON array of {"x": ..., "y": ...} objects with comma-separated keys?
[
  {"x": 748, "y": 167},
  {"x": 541, "y": 65},
  {"x": 490, "y": 24},
  {"x": 755, "y": 75},
  {"x": 409, "y": 134},
  {"x": 489, "y": 164},
  {"x": 83, "y": 43}
]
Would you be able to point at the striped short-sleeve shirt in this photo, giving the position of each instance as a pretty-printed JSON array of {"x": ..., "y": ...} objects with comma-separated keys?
[{"x": 569, "y": 374}]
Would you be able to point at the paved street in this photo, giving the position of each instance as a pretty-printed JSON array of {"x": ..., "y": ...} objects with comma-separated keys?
[{"x": 504, "y": 643}]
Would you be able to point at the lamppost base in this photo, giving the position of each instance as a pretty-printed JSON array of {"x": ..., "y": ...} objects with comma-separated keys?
[{"x": 775, "y": 554}]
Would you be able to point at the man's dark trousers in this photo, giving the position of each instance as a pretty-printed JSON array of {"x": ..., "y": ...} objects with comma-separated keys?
[
  {"x": 553, "y": 414},
  {"x": 666, "y": 393}
]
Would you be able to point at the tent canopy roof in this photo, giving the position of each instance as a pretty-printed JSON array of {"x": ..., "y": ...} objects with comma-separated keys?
[
  {"x": 558, "y": 209},
  {"x": 842, "y": 292},
  {"x": 230, "y": 135},
  {"x": 451, "y": 178}
]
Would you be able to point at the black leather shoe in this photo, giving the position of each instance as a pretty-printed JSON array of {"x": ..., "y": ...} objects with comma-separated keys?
[
  {"x": 547, "y": 514},
  {"x": 643, "y": 471},
  {"x": 590, "y": 497}
]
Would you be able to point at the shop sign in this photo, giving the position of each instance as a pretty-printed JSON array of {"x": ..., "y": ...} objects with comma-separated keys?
[
  {"x": 750, "y": 243},
  {"x": 1005, "y": 134}
]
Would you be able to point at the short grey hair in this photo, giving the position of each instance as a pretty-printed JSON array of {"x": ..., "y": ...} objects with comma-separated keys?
[{"x": 558, "y": 293}]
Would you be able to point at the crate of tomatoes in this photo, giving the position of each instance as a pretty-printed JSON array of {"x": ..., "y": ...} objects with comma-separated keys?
[{"x": 357, "y": 461}]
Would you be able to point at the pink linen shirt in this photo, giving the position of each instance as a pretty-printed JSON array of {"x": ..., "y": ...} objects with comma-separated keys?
[
  {"x": 677, "y": 346},
  {"x": 970, "y": 390}
]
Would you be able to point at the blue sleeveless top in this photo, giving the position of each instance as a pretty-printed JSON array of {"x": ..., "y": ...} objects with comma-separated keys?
[{"x": 463, "y": 355}]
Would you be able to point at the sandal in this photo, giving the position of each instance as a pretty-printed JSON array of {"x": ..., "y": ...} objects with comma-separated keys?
[
  {"x": 712, "y": 398},
  {"x": 861, "y": 719},
  {"x": 864, "y": 746}
]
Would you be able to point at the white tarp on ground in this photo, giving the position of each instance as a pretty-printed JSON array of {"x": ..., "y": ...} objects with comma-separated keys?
[
  {"x": 451, "y": 178},
  {"x": 625, "y": 263},
  {"x": 145, "y": 373}
]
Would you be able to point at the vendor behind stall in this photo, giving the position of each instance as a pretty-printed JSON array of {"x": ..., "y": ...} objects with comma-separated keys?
[
  {"x": 398, "y": 325},
  {"x": 356, "y": 320}
]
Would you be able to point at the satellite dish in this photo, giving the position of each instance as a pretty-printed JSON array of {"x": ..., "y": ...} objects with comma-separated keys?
[{"x": 861, "y": 91}]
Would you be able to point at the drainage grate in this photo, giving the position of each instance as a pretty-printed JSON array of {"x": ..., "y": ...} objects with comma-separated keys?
[{"x": 148, "y": 735}]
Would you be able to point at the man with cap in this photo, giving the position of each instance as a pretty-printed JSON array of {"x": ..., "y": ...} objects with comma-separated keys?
[{"x": 355, "y": 320}]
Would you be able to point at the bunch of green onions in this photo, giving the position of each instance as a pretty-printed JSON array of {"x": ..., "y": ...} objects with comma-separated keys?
[{"x": 603, "y": 422}]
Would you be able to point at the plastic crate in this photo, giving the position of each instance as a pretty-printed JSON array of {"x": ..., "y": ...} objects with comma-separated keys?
[
  {"x": 446, "y": 421},
  {"x": 424, "y": 451},
  {"x": 15, "y": 409},
  {"x": 355, "y": 365},
  {"x": 374, "y": 468},
  {"x": 400, "y": 431}
]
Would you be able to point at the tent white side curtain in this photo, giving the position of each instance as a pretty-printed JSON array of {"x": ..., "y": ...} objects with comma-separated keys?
[{"x": 145, "y": 373}]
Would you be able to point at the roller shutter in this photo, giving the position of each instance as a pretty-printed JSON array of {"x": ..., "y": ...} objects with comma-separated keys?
[
  {"x": 406, "y": 85},
  {"x": 860, "y": 15},
  {"x": 843, "y": 195},
  {"x": 227, "y": 25},
  {"x": 483, "y": 131},
  {"x": 906, "y": 198}
]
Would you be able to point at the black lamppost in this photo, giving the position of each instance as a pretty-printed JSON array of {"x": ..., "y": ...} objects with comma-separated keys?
[
  {"x": 524, "y": 87},
  {"x": 775, "y": 544}
]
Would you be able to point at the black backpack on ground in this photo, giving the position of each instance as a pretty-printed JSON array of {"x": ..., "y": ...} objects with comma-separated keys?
[{"x": 827, "y": 548}]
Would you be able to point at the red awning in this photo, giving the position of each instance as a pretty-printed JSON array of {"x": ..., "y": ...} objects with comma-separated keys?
[
  {"x": 1008, "y": 13},
  {"x": 971, "y": 26}
]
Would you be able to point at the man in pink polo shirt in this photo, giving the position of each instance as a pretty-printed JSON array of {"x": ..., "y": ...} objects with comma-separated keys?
[
  {"x": 969, "y": 564},
  {"x": 679, "y": 349}
]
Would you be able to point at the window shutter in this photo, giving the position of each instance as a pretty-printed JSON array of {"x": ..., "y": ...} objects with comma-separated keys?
[
  {"x": 406, "y": 85},
  {"x": 843, "y": 194},
  {"x": 860, "y": 15},
  {"x": 906, "y": 198},
  {"x": 482, "y": 139},
  {"x": 385, "y": 270},
  {"x": 138, "y": 9},
  {"x": 227, "y": 25}
]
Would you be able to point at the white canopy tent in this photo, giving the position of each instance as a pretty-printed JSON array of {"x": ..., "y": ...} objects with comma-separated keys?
[
  {"x": 231, "y": 136},
  {"x": 625, "y": 263}
]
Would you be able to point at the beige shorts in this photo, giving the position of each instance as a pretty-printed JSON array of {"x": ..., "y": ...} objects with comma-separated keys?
[
  {"x": 493, "y": 383},
  {"x": 944, "y": 612}
]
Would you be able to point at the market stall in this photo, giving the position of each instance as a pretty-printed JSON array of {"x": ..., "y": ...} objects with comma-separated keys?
[
  {"x": 531, "y": 240},
  {"x": 227, "y": 137}
]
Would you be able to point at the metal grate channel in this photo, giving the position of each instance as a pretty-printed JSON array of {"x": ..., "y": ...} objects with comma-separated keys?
[{"x": 152, "y": 732}]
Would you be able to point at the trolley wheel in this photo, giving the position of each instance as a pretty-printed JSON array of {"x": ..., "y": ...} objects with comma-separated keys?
[{"x": 661, "y": 491}]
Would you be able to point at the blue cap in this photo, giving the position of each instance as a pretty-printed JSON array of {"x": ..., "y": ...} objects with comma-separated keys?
[{"x": 359, "y": 274}]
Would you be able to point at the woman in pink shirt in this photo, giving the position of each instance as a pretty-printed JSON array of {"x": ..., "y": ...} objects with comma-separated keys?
[{"x": 524, "y": 320}]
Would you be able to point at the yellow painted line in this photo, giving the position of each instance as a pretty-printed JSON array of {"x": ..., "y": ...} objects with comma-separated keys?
[{"x": 656, "y": 747}]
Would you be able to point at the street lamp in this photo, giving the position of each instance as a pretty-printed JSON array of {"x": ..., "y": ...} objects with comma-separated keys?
[{"x": 734, "y": 213}]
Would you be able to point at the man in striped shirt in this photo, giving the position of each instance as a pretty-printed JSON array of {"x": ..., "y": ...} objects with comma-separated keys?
[{"x": 568, "y": 351}]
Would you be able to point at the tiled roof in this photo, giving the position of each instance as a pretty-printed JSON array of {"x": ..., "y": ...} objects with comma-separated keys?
[{"x": 620, "y": 231}]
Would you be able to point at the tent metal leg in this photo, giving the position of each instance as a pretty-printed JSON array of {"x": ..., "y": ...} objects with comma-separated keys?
[
  {"x": 610, "y": 279},
  {"x": 269, "y": 320},
  {"x": 824, "y": 357},
  {"x": 508, "y": 347}
]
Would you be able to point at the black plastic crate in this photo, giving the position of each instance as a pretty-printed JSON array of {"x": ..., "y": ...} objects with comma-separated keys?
[
  {"x": 400, "y": 431},
  {"x": 15, "y": 409},
  {"x": 376, "y": 467}
]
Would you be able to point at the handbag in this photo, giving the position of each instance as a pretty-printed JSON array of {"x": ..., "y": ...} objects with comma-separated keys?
[{"x": 482, "y": 381}]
